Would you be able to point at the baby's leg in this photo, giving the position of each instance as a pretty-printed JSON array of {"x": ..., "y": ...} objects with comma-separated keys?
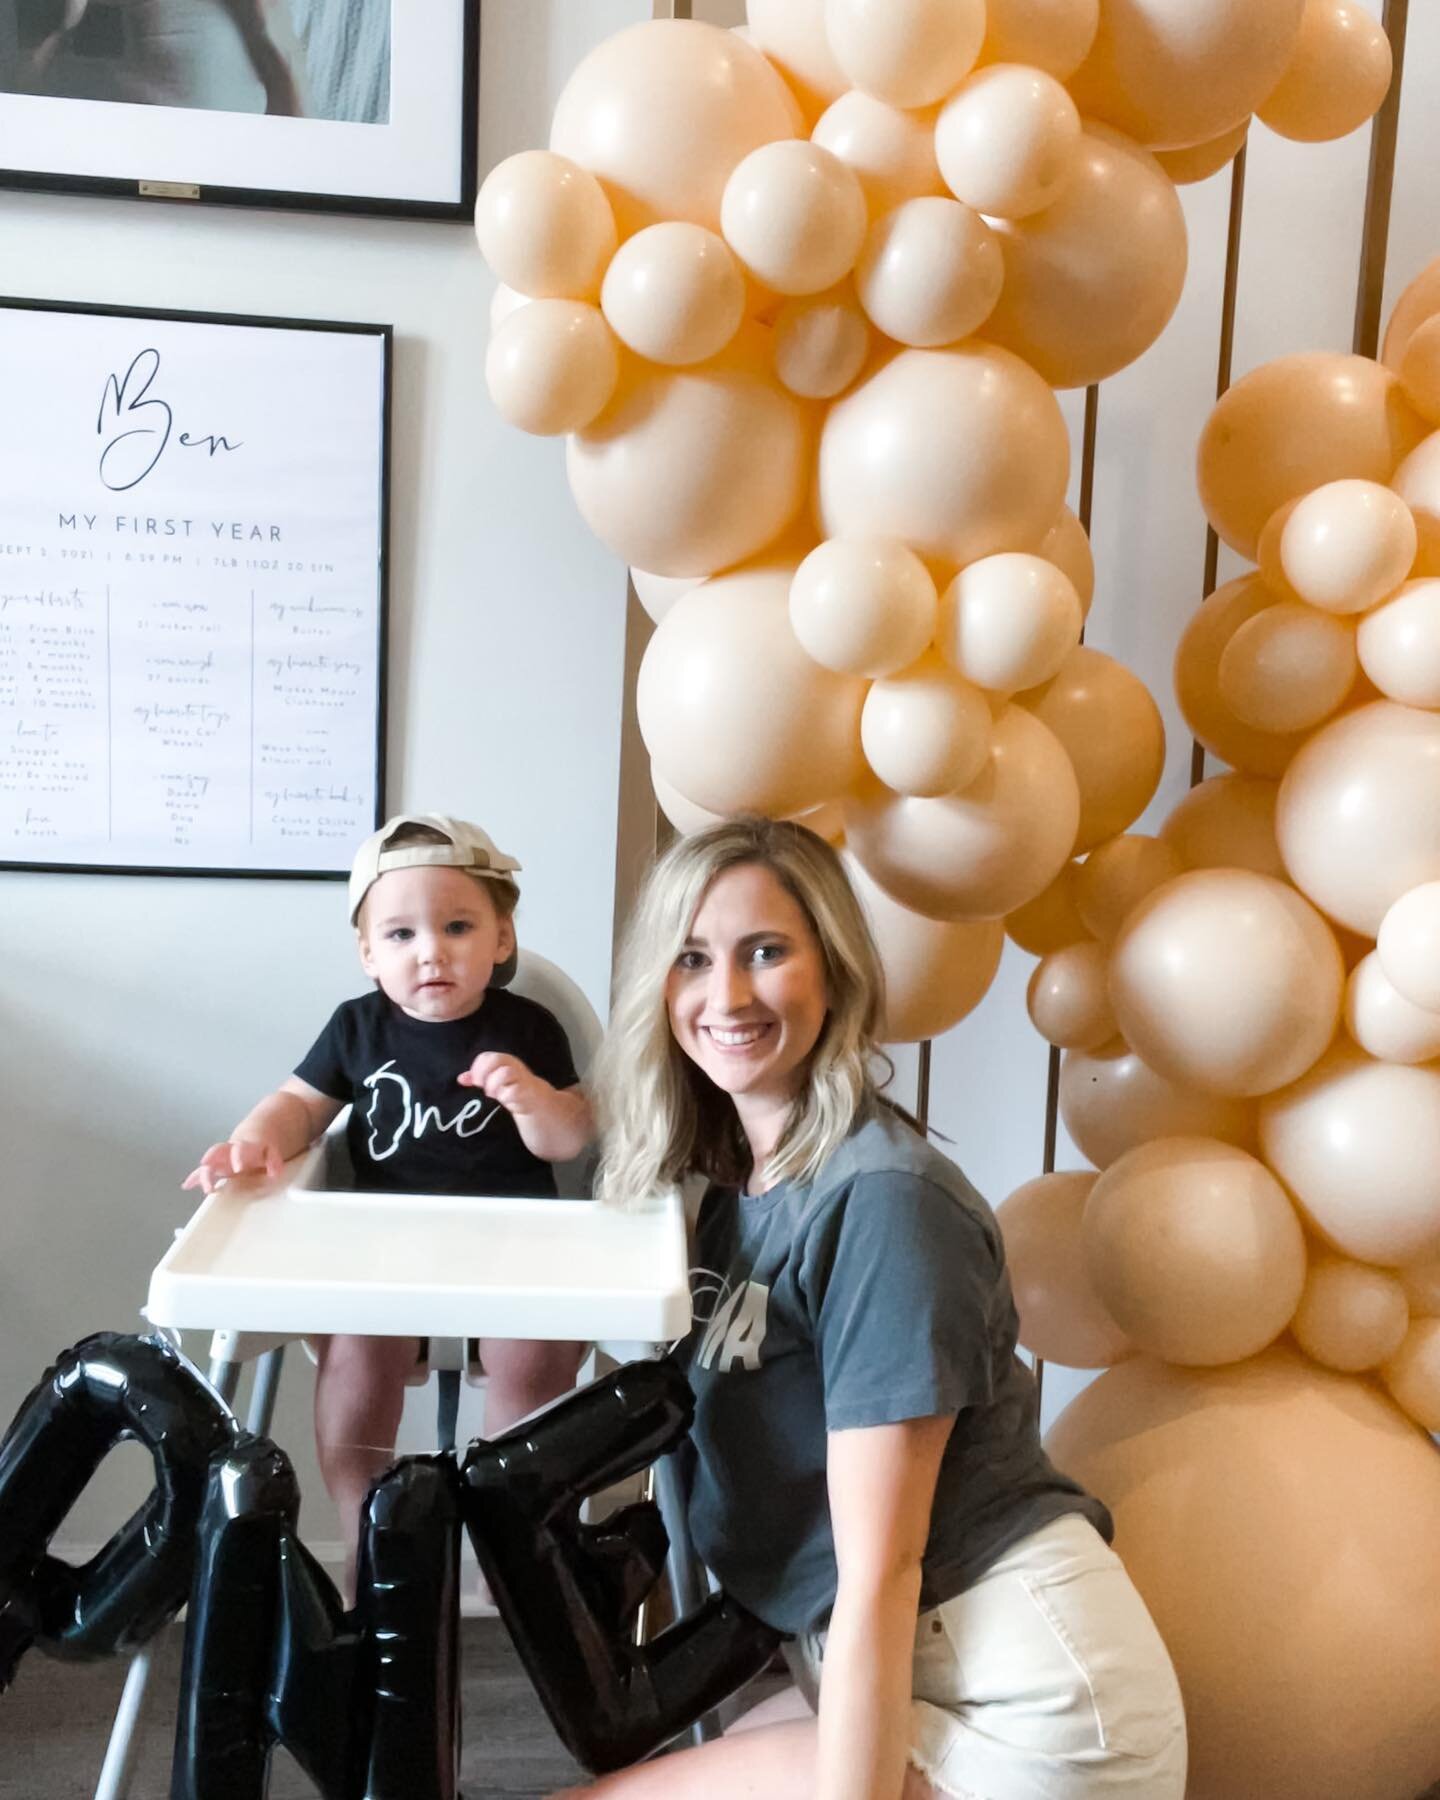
[
  {"x": 359, "y": 1391},
  {"x": 524, "y": 1375}
]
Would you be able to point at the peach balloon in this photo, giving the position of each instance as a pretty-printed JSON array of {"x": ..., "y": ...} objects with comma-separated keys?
[
  {"x": 1357, "y": 1142},
  {"x": 1292, "y": 424},
  {"x": 1194, "y": 1250},
  {"x": 935, "y": 973},
  {"x": 1054, "y": 35},
  {"x": 658, "y": 593},
  {"x": 795, "y": 216},
  {"x": 792, "y": 34},
  {"x": 1383, "y": 1022},
  {"x": 734, "y": 713},
  {"x": 1067, "y": 546},
  {"x": 930, "y": 272},
  {"x": 1408, "y": 945},
  {"x": 958, "y": 453},
  {"x": 1358, "y": 815},
  {"x": 1336, "y": 78},
  {"x": 1067, "y": 999},
  {"x": 1280, "y": 1522},
  {"x": 1419, "y": 301},
  {"x": 1348, "y": 544},
  {"x": 691, "y": 470},
  {"x": 863, "y": 606},
  {"x": 1113, "y": 734},
  {"x": 662, "y": 112},
  {"x": 1399, "y": 644},
  {"x": 1227, "y": 981},
  {"x": 1171, "y": 73},
  {"x": 1287, "y": 668},
  {"x": 1413, "y": 1374},
  {"x": 1062, "y": 1318},
  {"x": 552, "y": 366},
  {"x": 1227, "y": 822},
  {"x": 925, "y": 730},
  {"x": 1267, "y": 551},
  {"x": 1008, "y": 140},
  {"x": 821, "y": 343},
  {"x": 1419, "y": 370},
  {"x": 545, "y": 226},
  {"x": 892, "y": 152},
  {"x": 1009, "y": 621},
  {"x": 683, "y": 814},
  {"x": 1091, "y": 282},
  {"x": 1350, "y": 1317},
  {"x": 982, "y": 852},
  {"x": 1197, "y": 681},
  {"x": 1112, "y": 1100},
  {"x": 674, "y": 293},
  {"x": 1050, "y": 920},
  {"x": 1117, "y": 876},
  {"x": 1421, "y": 1282},
  {"x": 1417, "y": 482},
  {"x": 1200, "y": 161},
  {"x": 908, "y": 52}
]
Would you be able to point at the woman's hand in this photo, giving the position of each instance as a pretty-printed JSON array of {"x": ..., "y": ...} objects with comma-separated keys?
[{"x": 554, "y": 1123}]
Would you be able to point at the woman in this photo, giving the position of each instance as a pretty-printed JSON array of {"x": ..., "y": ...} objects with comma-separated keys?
[{"x": 870, "y": 1476}]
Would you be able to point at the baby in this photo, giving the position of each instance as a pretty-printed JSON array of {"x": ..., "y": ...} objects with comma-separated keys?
[{"x": 431, "y": 900}]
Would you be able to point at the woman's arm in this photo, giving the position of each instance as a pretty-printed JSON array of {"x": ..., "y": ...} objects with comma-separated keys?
[{"x": 881, "y": 1481}]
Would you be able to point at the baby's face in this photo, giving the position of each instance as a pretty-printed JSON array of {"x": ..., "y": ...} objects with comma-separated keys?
[{"x": 431, "y": 938}]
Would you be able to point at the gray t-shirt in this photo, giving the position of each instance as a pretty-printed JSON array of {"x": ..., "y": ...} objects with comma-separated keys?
[{"x": 876, "y": 1293}]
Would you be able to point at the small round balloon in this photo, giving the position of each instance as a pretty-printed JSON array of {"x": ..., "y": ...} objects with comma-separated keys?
[
  {"x": 1413, "y": 1374},
  {"x": 935, "y": 973},
  {"x": 1350, "y": 1317},
  {"x": 925, "y": 730},
  {"x": 930, "y": 272},
  {"x": 1383, "y": 1022},
  {"x": 1227, "y": 822},
  {"x": 908, "y": 52},
  {"x": 795, "y": 216},
  {"x": 552, "y": 367},
  {"x": 1409, "y": 945},
  {"x": 892, "y": 152},
  {"x": 1346, "y": 545},
  {"x": 1288, "y": 668},
  {"x": 1009, "y": 621},
  {"x": 1117, "y": 876},
  {"x": 821, "y": 343},
  {"x": 1336, "y": 77},
  {"x": 1399, "y": 644},
  {"x": 863, "y": 606},
  {"x": 674, "y": 293},
  {"x": 1007, "y": 140},
  {"x": 1062, "y": 1318},
  {"x": 545, "y": 226},
  {"x": 1068, "y": 999}
]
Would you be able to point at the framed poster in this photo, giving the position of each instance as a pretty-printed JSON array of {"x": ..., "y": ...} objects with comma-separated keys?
[
  {"x": 192, "y": 590},
  {"x": 335, "y": 105}
]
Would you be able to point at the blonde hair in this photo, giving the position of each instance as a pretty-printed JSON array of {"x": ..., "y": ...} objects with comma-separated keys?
[{"x": 662, "y": 1118}]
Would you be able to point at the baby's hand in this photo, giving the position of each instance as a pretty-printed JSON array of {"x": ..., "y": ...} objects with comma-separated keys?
[
  {"x": 506, "y": 1080},
  {"x": 243, "y": 1156}
]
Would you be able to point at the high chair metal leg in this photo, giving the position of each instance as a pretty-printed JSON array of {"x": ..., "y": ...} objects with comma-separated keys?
[
  {"x": 684, "y": 1569},
  {"x": 447, "y": 1406}
]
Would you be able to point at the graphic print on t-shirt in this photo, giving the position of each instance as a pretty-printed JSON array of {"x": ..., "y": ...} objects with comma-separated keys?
[
  {"x": 393, "y": 1112},
  {"x": 736, "y": 1330}
]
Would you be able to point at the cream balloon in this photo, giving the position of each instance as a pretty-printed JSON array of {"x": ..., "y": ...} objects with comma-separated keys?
[
  {"x": 734, "y": 713},
  {"x": 662, "y": 112},
  {"x": 552, "y": 367},
  {"x": 1408, "y": 946},
  {"x": 986, "y": 850},
  {"x": 1227, "y": 822},
  {"x": 795, "y": 216},
  {"x": 1417, "y": 482},
  {"x": 1287, "y": 668},
  {"x": 1413, "y": 1374},
  {"x": 1171, "y": 73},
  {"x": 1113, "y": 734},
  {"x": 1068, "y": 1001},
  {"x": 1357, "y": 1142},
  {"x": 1009, "y": 621},
  {"x": 892, "y": 152},
  {"x": 1091, "y": 281},
  {"x": 908, "y": 52},
  {"x": 1050, "y": 921},
  {"x": 1194, "y": 1250},
  {"x": 674, "y": 293},
  {"x": 1200, "y": 161},
  {"x": 792, "y": 35},
  {"x": 1117, "y": 876},
  {"x": 958, "y": 453},
  {"x": 1419, "y": 370},
  {"x": 690, "y": 471},
  {"x": 1350, "y": 1317},
  {"x": 1346, "y": 545},
  {"x": 1062, "y": 1318},
  {"x": 1067, "y": 546},
  {"x": 683, "y": 814},
  {"x": 1335, "y": 79},
  {"x": 1008, "y": 140},
  {"x": 1358, "y": 814},
  {"x": 1111, "y": 1101},
  {"x": 658, "y": 593},
  {"x": 1399, "y": 644},
  {"x": 863, "y": 606},
  {"x": 821, "y": 343},
  {"x": 1293, "y": 424},
  {"x": 935, "y": 973},
  {"x": 545, "y": 226},
  {"x": 925, "y": 730},
  {"x": 1197, "y": 681},
  {"x": 1053, "y": 35},
  {"x": 930, "y": 272},
  {"x": 1227, "y": 981},
  {"x": 1383, "y": 1022}
]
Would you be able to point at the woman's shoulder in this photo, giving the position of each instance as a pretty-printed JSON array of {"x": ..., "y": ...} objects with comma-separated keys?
[{"x": 885, "y": 1152}]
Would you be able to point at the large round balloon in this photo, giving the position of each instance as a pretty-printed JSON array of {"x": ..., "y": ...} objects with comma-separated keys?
[
  {"x": 1336, "y": 77},
  {"x": 1203, "y": 643},
  {"x": 735, "y": 714},
  {"x": 1227, "y": 822},
  {"x": 1357, "y": 1142},
  {"x": 1062, "y": 1318},
  {"x": 1291, "y": 425},
  {"x": 1179, "y": 72},
  {"x": 1112, "y": 1100},
  {"x": 986, "y": 850},
  {"x": 935, "y": 972},
  {"x": 1194, "y": 1250},
  {"x": 1091, "y": 281},
  {"x": 1054, "y": 35},
  {"x": 662, "y": 113},
  {"x": 958, "y": 453},
  {"x": 1230, "y": 1489},
  {"x": 1358, "y": 815},
  {"x": 792, "y": 35}
]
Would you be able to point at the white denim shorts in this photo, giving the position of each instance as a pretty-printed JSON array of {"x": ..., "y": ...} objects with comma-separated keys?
[{"x": 1046, "y": 1680}]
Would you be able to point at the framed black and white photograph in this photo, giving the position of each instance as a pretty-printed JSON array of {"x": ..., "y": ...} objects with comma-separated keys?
[
  {"x": 334, "y": 105},
  {"x": 193, "y": 560}
]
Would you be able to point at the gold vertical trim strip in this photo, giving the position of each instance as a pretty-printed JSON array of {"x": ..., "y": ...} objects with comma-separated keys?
[{"x": 1379, "y": 187}]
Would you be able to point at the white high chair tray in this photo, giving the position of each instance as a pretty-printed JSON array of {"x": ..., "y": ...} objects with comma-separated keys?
[{"x": 287, "y": 1257}]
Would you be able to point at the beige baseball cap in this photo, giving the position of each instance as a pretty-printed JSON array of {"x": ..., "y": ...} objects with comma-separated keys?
[{"x": 464, "y": 846}]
